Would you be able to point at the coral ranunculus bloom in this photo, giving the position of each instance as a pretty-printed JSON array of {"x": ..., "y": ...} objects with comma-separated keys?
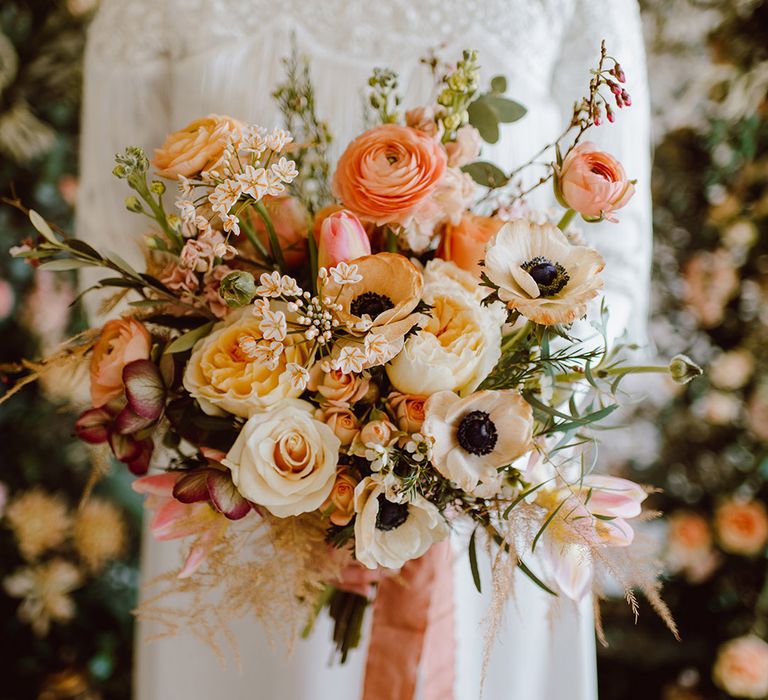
[
  {"x": 387, "y": 172},
  {"x": 122, "y": 341}
]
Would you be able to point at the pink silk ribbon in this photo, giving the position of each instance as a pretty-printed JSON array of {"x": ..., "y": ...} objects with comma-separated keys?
[{"x": 413, "y": 627}]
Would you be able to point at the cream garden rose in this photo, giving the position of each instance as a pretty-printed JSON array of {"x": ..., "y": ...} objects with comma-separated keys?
[
  {"x": 389, "y": 534},
  {"x": 456, "y": 348},
  {"x": 223, "y": 378},
  {"x": 284, "y": 459}
]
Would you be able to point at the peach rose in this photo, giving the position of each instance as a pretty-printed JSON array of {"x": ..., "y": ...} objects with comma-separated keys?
[
  {"x": 122, "y": 341},
  {"x": 742, "y": 527},
  {"x": 291, "y": 222},
  {"x": 195, "y": 148},
  {"x": 377, "y": 432},
  {"x": 741, "y": 667},
  {"x": 342, "y": 421},
  {"x": 408, "y": 410},
  {"x": 464, "y": 243},
  {"x": 423, "y": 119},
  {"x": 689, "y": 548},
  {"x": 337, "y": 387},
  {"x": 342, "y": 498},
  {"x": 593, "y": 183},
  {"x": 465, "y": 148},
  {"x": 387, "y": 172}
]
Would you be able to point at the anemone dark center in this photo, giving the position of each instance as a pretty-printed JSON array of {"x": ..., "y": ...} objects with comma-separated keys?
[
  {"x": 550, "y": 277},
  {"x": 477, "y": 433},
  {"x": 370, "y": 303},
  {"x": 390, "y": 515}
]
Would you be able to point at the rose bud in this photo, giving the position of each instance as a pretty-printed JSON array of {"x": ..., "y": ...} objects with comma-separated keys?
[
  {"x": 593, "y": 183},
  {"x": 238, "y": 288},
  {"x": 342, "y": 238}
]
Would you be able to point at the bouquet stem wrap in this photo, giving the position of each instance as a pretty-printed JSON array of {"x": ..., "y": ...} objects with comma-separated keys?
[{"x": 413, "y": 627}]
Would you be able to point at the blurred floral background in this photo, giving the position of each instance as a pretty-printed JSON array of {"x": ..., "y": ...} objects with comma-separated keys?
[{"x": 68, "y": 574}]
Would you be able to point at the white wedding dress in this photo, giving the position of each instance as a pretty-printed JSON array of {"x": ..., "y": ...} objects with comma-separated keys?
[{"x": 154, "y": 65}]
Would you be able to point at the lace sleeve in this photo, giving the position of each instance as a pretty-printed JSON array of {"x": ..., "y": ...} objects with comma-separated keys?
[
  {"x": 626, "y": 246},
  {"x": 126, "y": 76}
]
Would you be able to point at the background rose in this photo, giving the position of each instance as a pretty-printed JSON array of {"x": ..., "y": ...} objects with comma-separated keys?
[
  {"x": 593, "y": 182},
  {"x": 741, "y": 668},
  {"x": 465, "y": 242},
  {"x": 408, "y": 410},
  {"x": 465, "y": 148},
  {"x": 285, "y": 460},
  {"x": 122, "y": 341},
  {"x": 387, "y": 172},
  {"x": 291, "y": 222},
  {"x": 195, "y": 148},
  {"x": 222, "y": 378},
  {"x": 342, "y": 499},
  {"x": 742, "y": 527}
]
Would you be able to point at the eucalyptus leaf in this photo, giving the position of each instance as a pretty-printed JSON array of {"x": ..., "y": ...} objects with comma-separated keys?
[
  {"x": 486, "y": 174},
  {"x": 507, "y": 110},
  {"x": 485, "y": 119},
  {"x": 499, "y": 84},
  {"x": 186, "y": 341},
  {"x": 42, "y": 227}
]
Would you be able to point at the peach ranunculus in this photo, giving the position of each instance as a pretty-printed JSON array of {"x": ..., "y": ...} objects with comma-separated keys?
[
  {"x": 341, "y": 502},
  {"x": 465, "y": 148},
  {"x": 408, "y": 410},
  {"x": 742, "y": 527},
  {"x": 122, "y": 341},
  {"x": 195, "y": 148},
  {"x": 593, "y": 183},
  {"x": 223, "y": 377},
  {"x": 741, "y": 667},
  {"x": 291, "y": 222},
  {"x": 387, "y": 172},
  {"x": 464, "y": 243},
  {"x": 342, "y": 238}
]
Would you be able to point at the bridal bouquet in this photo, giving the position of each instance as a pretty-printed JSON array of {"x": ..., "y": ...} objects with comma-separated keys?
[{"x": 331, "y": 372}]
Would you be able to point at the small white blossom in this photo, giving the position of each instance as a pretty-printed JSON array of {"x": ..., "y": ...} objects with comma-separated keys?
[
  {"x": 185, "y": 186},
  {"x": 376, "y": 347},
  {"x": 254, "y": 140},
  {"x": 364, "y": 323},
  {"x": 285, "y": 169},
  {"x": 297, "y": 375},
  {"x": 275, "y": 185},
  {"x": 290, "y": 287},
  {"x": 350, "y": 360},
  {"x": 377, "y": 455},
  {"x": 231, "y": 224},
  {"x": 419, "y": 447},
  {"x": 278, "y": 139},
  {"x": 270, "y": 284},
  {"x": 344, "y": 273},
  {"x": 273, "y": 325},
  {"x": 260, "y": 307},
  {"x": 187, "y": 210},
  {"x": 268, "y": 353},
  {"x": 224, "y": 196},
  {"x": 254, "y": 181},
  {"x": 18, "y": 250}
]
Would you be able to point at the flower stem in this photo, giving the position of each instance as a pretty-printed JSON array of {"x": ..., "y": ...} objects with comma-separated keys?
[
  {"x": 274, "y": 243},
  {"x": 566, "y": 220},
  {"x": 614, "y": 372},
  {"x": 512, "y": 340}
]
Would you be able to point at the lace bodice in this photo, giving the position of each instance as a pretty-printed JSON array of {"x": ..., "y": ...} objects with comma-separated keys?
[{"x": 153, "y": 65}]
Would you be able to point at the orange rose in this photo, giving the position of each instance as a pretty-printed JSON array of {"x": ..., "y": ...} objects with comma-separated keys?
[
  {"x": 194, "y": 148},
  {"x": 742, "y": 528},
  {"x": 342, "y": 498},
  {"x": 689, "y": 548},
  {"x": 464, "y": 243},
  {"x": 409, "y": 411},
  {"x": 741, "y": 667},
  {"x": 387, "y": 172},
  {"x": 122, "y": 341},
  {"x": 338, "y": 388},
  {"x": 342, "y": 421}
]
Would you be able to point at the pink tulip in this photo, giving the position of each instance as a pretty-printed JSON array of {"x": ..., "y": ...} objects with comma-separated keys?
[
  {"x": 342, "y": 238},
  {"x": 593, "y": 183},
  {"x": 173, "y": 520}
]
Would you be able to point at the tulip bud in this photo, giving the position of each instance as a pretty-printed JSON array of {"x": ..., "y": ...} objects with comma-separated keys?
[
  {"x": 238, "y": 288},
  {"x": 683, "y": 369},
  {"x": 342, "y": 238}
]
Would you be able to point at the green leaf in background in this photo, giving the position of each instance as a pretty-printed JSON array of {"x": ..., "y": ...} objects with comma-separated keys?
[
  {"x": 498, "y": 84},
  {"x": 507, "y": 110},
  {"x": 485, "y": 119},
  {"x": 472, "y": 551},
  {"x": 64, "y": 264},
  {"x": 42, "y": 227}
]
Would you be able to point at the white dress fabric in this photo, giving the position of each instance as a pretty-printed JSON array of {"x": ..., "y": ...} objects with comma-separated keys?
[{"x": 154, "y": 65}]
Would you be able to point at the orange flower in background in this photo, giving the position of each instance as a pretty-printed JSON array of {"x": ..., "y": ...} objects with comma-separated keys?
[
  {"x": 689, "y": 546},
  {"x": 195, "y": 148},
  {"x": 122, "y": 341},
  {"x": 464, "y": 243},
  {"x": 291, "y": 222},
  {"x": 342, "y": 499},
  {"x": 593, "y": 183},
  {"x": 741, "y": 668},
  {"x": 387, "y": 172},
  {"x": 742, "y": 527}
]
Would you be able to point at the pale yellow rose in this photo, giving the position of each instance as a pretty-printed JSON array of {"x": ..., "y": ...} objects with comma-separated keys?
[{"x": 223, "y": 378}]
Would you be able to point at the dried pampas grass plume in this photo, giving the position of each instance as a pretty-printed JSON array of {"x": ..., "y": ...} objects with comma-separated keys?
[
  {"x": 99, "y": 533},
  {"x": 40, "y": 521}
]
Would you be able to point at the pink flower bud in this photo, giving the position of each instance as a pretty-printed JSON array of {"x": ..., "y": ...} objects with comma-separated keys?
[
  {"x": 342, "y": 238},
  {"x": 625, "y": 96}
]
